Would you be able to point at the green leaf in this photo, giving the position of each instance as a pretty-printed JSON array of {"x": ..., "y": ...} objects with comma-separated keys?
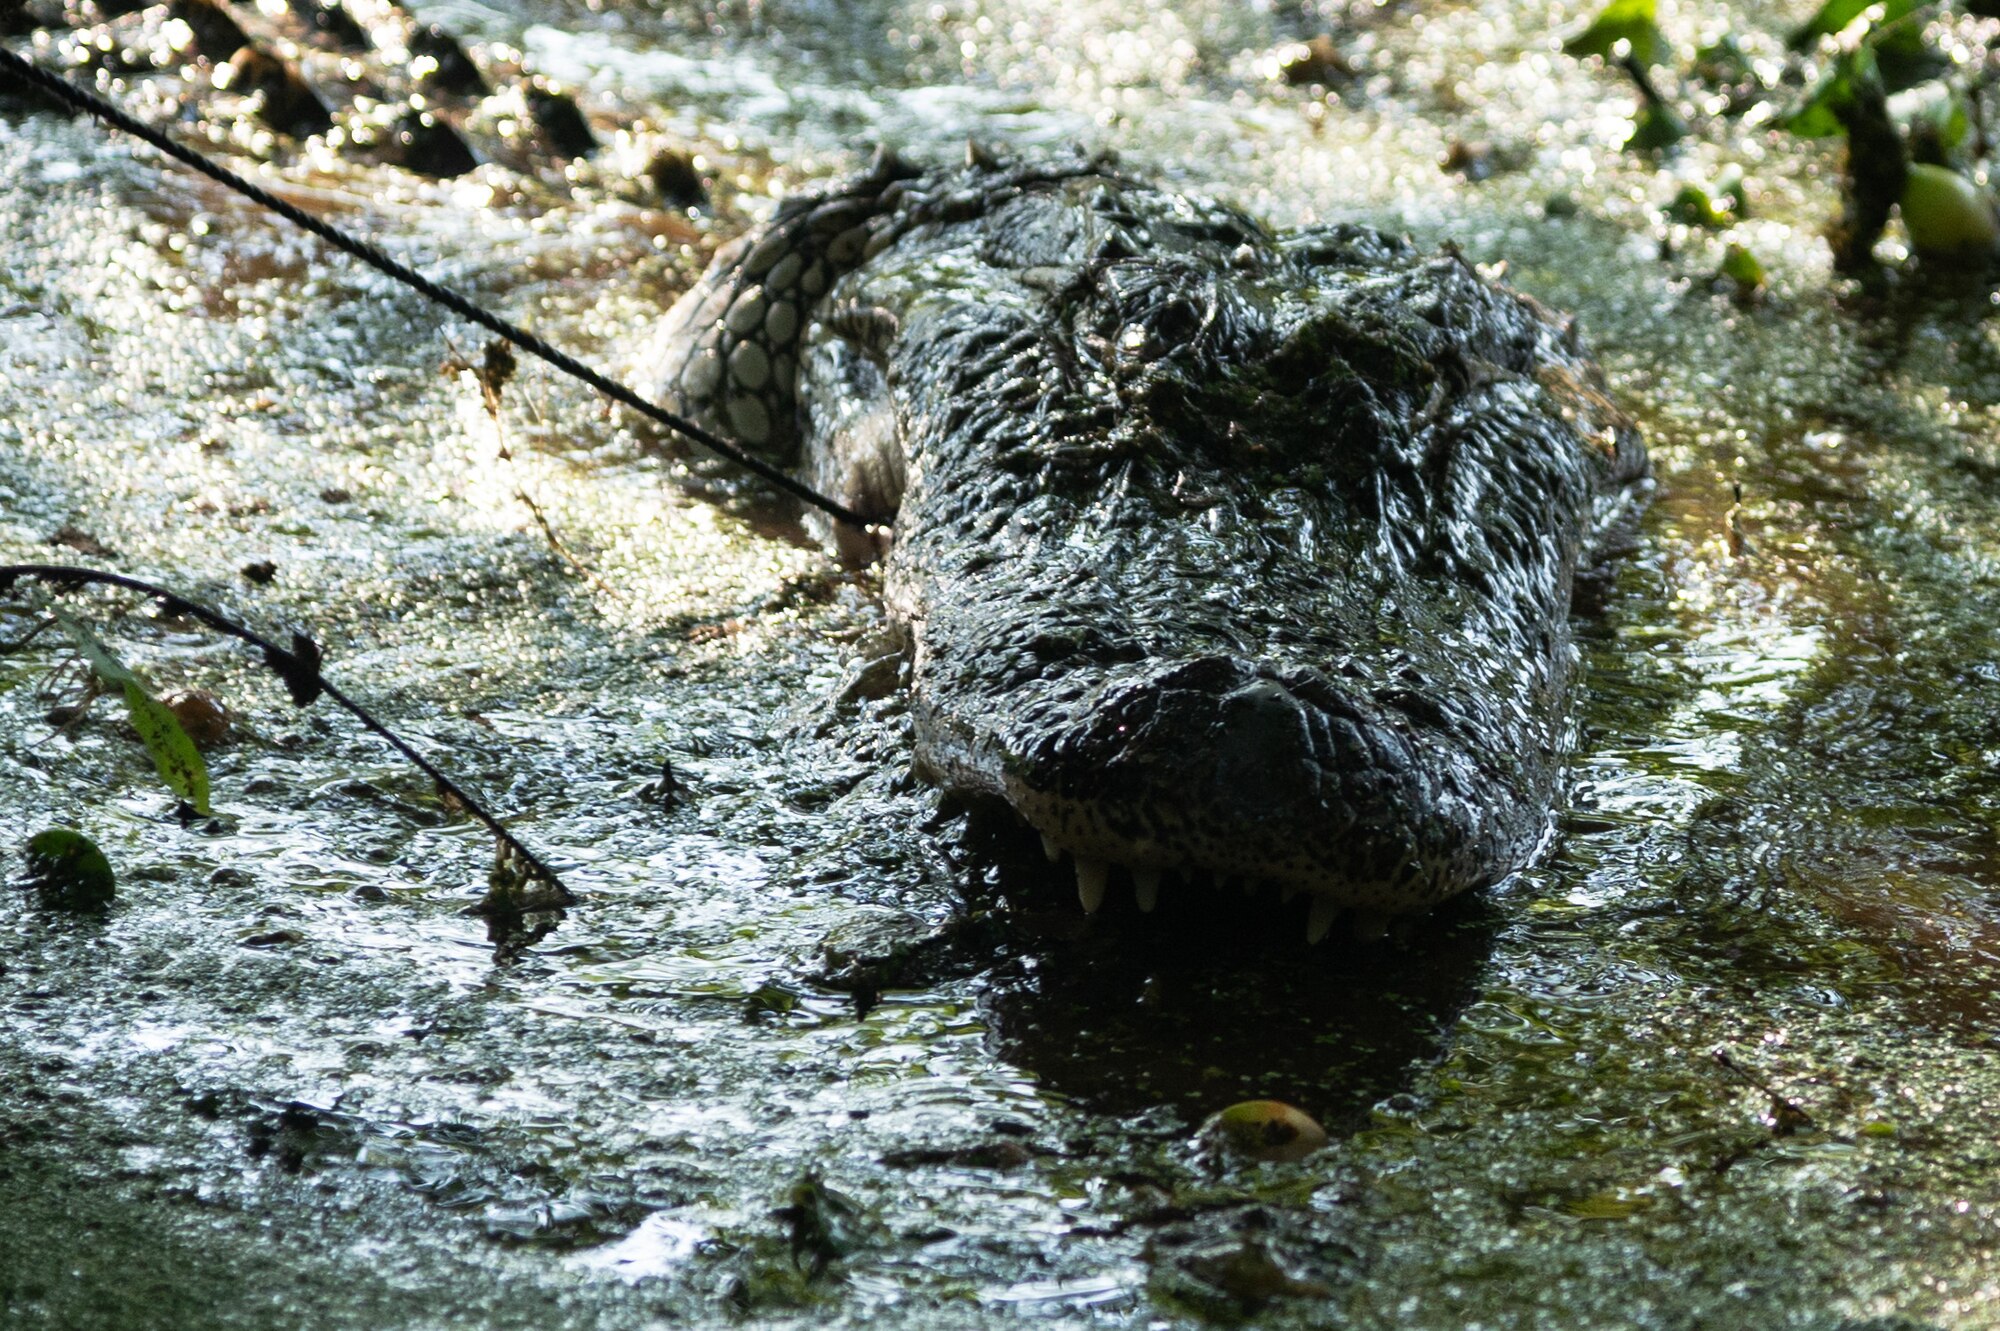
[
  {"x": 68, "y": 870},
  {"x": 174, "y": 754},
  {"x": 1819, "y": 117},
  {"x": 1953, "y": 124},
  {"x": 1834, "y": 16},
  {"x": 1830, "y": 18},
  {"x": 1904, "y": 57},
  {"x": 1694, "y": 207},
  {"x": 1947, "y": 216},
  {"x": 1722, "y": 63},
  {"x": 1628, "y": 22},
  {"x": 1938, "y": 128},
  {"x": 1814, "y": 120},
  {"x": 175, "y": 757},
  {"x": 1730, "y": 191},
  {"x": 1741, "y": 267}
]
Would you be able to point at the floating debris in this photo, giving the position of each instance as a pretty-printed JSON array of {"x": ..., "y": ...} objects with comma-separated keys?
[
  {"x": 68, "y": 872},
  {"x": 1265, "y": 1130}
]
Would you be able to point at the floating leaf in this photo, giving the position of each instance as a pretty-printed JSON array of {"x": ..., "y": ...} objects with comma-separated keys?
[
  {"x": 1246, "y": 1270},
  {"x": 1316, "y": 61},
  {"x": 1629, "y": 23},
  {"x": 1741, "y": 267},
  {"x": 201, "y": 714},
  {"x": 770, "y": 998},
  {"x": 1947, "y": 216},
  {"x": 1613, "y": 1205},
  {"x": 68, "y": 870},
  {"x": 174, "y": 754},
  {"x": 1265, "y": 1130}
]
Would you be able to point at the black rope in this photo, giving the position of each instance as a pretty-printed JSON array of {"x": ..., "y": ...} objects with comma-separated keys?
[{"x": 91, "y": 104}]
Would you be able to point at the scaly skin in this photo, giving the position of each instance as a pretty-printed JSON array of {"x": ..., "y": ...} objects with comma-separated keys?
[
  {"x": 1227, "y": 554},
  {"x": 365, "y": 77}
]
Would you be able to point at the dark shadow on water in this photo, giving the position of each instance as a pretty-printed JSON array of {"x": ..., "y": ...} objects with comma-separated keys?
[{"x": 1216, "y": 998}]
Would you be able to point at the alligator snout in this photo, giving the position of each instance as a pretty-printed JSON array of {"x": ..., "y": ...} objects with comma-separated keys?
[
  {"x": 1208, "y": 741},
  {"x": 1220, "y": 771}
]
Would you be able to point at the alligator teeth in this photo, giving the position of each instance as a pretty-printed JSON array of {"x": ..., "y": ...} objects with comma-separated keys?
[
  {"x": 1320, "y": 919},
  {"x": 1146, "y": 887},
  {"x": 1091, "y": 876},
  {"x": 1050, "y": 848}
]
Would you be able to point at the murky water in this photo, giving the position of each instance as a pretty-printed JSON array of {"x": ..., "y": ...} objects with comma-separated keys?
[{"x": 285, "y": 1083}]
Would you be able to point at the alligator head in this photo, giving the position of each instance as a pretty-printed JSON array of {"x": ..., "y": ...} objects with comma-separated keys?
[{"x": 1226, "y": 554}]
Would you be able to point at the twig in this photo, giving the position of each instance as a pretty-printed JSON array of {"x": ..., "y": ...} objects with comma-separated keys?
[
  {"x": 555, "y": 541},
  {"x": 493, "y": 374},
  {"x": 1787, "y": 1115}
]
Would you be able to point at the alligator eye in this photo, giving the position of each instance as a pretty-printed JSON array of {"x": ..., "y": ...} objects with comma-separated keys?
[
  {"x": 1159, "y": 332},
  {"x": 1175, "y": 323}
]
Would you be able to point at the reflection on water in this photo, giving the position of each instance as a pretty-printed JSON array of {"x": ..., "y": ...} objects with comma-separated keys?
[{"x": 1211, "y": 1000}]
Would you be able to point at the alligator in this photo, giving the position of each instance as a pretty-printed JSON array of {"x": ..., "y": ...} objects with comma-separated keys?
[{"x": 1231, "y": 555}]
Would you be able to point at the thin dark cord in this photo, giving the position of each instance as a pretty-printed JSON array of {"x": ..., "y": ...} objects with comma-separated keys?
[{"x": 91, "y": 104}]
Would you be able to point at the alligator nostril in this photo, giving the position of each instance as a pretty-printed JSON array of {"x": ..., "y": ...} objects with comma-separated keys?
[{"x": 1263, "y": 749}]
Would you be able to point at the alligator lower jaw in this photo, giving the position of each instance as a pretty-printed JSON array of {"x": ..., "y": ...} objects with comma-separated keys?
[
  {"x": 1232, "y": 775},
  {"x": 1067, "y": 829}
]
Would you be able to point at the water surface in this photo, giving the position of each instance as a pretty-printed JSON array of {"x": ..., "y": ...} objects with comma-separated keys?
[{"x": 285, "y": 1081}]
